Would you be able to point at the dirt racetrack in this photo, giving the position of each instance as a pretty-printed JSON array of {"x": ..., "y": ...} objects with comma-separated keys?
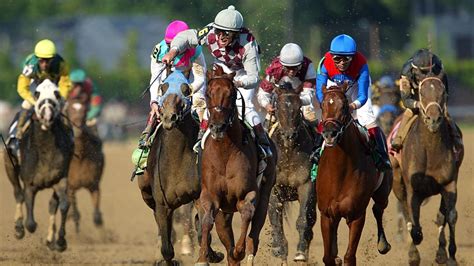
[{"x": 129, "y": 235}]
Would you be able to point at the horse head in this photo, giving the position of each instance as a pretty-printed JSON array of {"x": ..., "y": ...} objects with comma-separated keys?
[
  {"x": 175, "y": 102},
  {"x": 77, "y": 106},
  {"x": 288, "y": 110},
  {"x": 433, "y": 97},
  {"x": 220, "y": 98},
  {"x": 335, "y": 113},
  {"x": 47, "y": 106},
  {"x": 386, "y": 117}
]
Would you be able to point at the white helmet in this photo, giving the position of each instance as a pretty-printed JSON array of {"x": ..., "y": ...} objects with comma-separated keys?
[
  {"x": 291, "y": 55},
  {"x": 229, "y": 19}
]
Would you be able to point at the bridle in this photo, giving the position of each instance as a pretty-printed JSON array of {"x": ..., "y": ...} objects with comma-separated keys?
[
  {"x": 341, "y": 125},
  {"x": 219, "y": 108},
  {"x": 424, "y": 108}
]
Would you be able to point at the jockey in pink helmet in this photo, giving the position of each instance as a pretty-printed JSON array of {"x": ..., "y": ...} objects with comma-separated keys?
[{"x": 191, "y": 58}]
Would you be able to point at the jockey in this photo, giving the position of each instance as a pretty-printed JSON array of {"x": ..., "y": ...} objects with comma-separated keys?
[
  {"x": 43, "y": 64},
  {"x": 385, "y": 83},
  {"x": 80, "y": 82},
  {"x": 235, "y": 48},
  {"x": 422, "y": 63},
  {"x": 188, "y": 59},
  {"x": 293, "y": 64},
  {"x": 344, "y": 64}
]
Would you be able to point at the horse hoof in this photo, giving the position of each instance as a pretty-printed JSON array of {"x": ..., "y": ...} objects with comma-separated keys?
[
  {"x": 416, "y": 236},
  {"x": 338, "y": 261},
  {"x": 300, "y": 257},
  {"x": 451, "y": 262},
  {"x": 31, "y": 226},
  {"x": 167, "y": 263},
  {"x": 50, "y": 245},
  {"x": 383, "y": 247},
  {"x": 283, "y": 262},
  {"x": 250, "y": 259},
  {"x": 61, "y": 245},
  {"x": 441, "y": 256},
  {"x": 186, "y": 246},
  {"x": 19, "y": 231},
  {"x": 98, "y": 219},
  {"x": 215, "y": 257}
]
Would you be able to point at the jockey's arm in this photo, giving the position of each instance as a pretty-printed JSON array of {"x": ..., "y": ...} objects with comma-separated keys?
[
  {"x": 188, "y": 39},
  {"x": 156, "y": 70},
  {"x": 199, "y": 69},
  {"x": 363, "y": 87},
  {"x": 308, "y": 86},
  {"x": 406, "y": 95},
  {"x": 64, "y": 82},
  {"x": 321, "y": 79},
  {"x": 265, "y": 91},
  {"x": 23, "y": 88},
  {"x": 251, "y": 62}
]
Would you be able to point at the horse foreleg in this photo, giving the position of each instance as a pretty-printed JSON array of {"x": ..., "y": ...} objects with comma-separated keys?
[
  {"x": 329, "y": 234},
  {"x": 355, "y": 231},
  {"x": 275, "y": 215},
  {"x": 441, "y": 254},
  {"x": 414, "y": 203},
  {"x": 187, "y": 246},
  {"x": 450, "y": 197},
  {"x": 306, "y": 219},
  {"x": 75, "y": 211},
  {"x": 207, "y": 214},
  {"x": 95, "y": 195},
  {"x": 380, "y": 198},
  {"x": 213, "y": 256},
  {"x": 13, "y": 176},
  {"x": 164, "y": 219},
  {"x": 411, "y": 202},
  {"x": 246, "y": 209},
  {"x": 30, "y": 194},
  {"x": 225, "y": 233},
  {"x": 53, "y": 208},
  {"x": 61, "y": 190}
]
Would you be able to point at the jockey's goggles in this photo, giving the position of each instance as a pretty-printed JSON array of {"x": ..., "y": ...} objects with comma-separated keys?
[
  {"x": 294, "y": 68},
  {"x": 341, "y": 58},
  {"x": 226, "y": 33},
  {"x": 44, "y": 60}
]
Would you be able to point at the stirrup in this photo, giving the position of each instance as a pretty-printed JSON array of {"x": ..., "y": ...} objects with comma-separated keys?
[
  {"x": 315, "y": 155},
  {"x": 197, "y": 146},
  {"x": 265, "y": 151}
]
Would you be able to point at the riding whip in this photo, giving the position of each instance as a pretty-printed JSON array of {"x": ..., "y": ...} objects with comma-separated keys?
[{"x": 8, "y": 152}]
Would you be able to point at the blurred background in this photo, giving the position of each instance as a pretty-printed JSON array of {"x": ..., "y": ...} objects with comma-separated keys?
[{"x": 112, "y": 40}]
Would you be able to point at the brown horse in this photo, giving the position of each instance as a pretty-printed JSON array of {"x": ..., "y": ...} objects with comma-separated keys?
[
  {"x": 389, "y": 102},
  {"x": 347, "y": 180},
  {"x": 46, "y": 150},
  {"x": 427, "y": 166},
  {"x": 87, "y": 164},
  {"x": 171, "y": 178},
  {"x": 229, "y": 175},
  {"x": 294, "y": 141}
]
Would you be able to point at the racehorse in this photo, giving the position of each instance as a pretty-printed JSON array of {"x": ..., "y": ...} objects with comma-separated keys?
[
  {"x": 230, "y": 181},
  {"x": 389, "y": 102},
  {"x": 46, "y": 150},
  {"x": 347, "y": 179},
  {"x": 171, "y": 177},
  {"x": 87, "y": 164},
  {"x": 293, "y": 138},
  {"x": 426, "y": 166}
]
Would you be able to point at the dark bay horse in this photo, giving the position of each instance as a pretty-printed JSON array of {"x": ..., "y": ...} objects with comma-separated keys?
[
  {"x": 229, "y": 175},
  {"x": 347, "y": 180},
  {"x": 294, "y": 142},
  {"x": 171, "y": 177},
  {"x": 46, "y": 150},
  {"x": 427, "y": 166},
  {"x": 87, "y": 164},
  {"x": 389, "y": 102}
]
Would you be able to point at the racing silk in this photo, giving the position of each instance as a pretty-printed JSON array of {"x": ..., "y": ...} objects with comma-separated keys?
[
  {"x": 242, "y": 54},
  {"x": 275, "y": 72},
  {"x": 356, "y": 74},
  {"x": 58, "y": 73},
  {"x": 192, "y": 58},
  {"x": 95, "y": 100},
  {"x": 183, "y": 60}
]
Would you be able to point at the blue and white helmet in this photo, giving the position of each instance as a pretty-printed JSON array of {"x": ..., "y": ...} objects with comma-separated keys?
[{"x": 343, "y": 45}]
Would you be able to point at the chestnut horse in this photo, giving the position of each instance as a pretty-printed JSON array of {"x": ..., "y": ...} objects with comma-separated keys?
[
  {"x": 427, "y": 166},
  {"x": 347, "y": 179},
  {"x": 87, "y": 164},
  {"x": 229, "y": 175}
]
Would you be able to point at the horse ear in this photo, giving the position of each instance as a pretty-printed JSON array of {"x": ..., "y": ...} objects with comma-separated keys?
[
  {"x": 345, "y": 86},
  {"x": 276, "y": 89},
  {"x": 36, "y": 95},
  {"x": 163, "y": 87},
  {"x": 324, "y": 88},
  {"x": 185, "y": 89},
  {"x": 299, "y": 89},
  {"x": 187, "y": 72},
  {"x": 231, "y": 75}
]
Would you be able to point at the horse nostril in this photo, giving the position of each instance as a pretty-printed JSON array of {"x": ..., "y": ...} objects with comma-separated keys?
[{"x": 174, "y": 117}]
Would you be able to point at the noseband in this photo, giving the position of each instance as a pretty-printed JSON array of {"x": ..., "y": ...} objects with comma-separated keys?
[
  {"x": 219, "y": 108},
  {"x": 338, "y": 123},
  {"x": 424, "y": 108}
]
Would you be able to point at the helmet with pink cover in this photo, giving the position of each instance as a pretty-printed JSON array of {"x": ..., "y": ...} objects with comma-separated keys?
[{"x": 174, "y": 28}]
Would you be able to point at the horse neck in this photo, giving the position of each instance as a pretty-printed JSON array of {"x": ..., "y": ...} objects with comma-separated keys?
[
  {"x": 185, "y": 132},
  {"x": 433, "y": 140},
  {"x": 349, "y": 145},
  {"x": 45, "y": 138}
]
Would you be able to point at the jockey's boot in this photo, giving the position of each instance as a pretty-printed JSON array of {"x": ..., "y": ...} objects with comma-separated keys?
[
  {"x": 144, "y": 140},
  {"x": 397, "y": 142},
  {"x": 377, "y": 136},
  {"x": 202, "y": 130},
  {"x": 263, "y": 142},
  {"x": 316, "y": 152}
]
